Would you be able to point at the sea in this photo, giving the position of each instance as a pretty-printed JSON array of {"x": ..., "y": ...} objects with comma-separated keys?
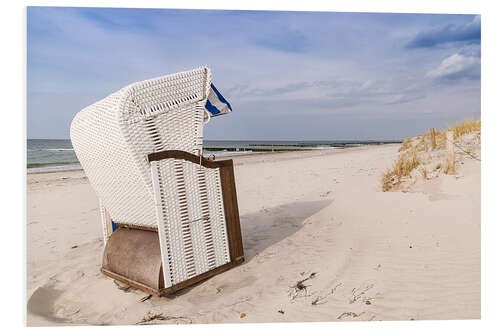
[{"x": 54, "y": 155}]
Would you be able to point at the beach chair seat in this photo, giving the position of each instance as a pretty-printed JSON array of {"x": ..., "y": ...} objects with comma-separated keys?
[{"x": 169, "y": 216}]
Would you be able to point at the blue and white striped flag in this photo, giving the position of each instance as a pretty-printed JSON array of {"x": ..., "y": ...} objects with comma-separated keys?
[{"x": 216, "y": 103}]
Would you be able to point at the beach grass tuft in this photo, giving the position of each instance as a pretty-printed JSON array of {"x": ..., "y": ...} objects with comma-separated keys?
[
  {"x": 411, "y": 147},
  {"x": 422, "y": 142},
  {"x": 465, "y": 127},
  {"x": 405, "y": 145},
  {"x": 406, "y": 162}
]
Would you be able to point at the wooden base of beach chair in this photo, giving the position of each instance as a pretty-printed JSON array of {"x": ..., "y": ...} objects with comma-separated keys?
[{"x": 133, "y": 257}]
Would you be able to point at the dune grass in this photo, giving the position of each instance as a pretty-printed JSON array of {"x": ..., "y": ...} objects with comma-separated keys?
[
  {"x": 405, "y": 145},
  {"x": 406, "y": 162},
  {"x": 458, "y": 130},
  {"x": 410, "y": 148},
  {"x": 465, "y": 127},
  {"x": 422, "y": 142}
]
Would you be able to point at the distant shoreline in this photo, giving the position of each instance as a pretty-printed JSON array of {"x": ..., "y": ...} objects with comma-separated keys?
[
  {"x": 47, "y": 155},
  {"x": 219, "y": 153}
]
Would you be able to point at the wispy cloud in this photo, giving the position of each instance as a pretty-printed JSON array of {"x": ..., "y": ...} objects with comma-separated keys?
[
  {"x": 450, "y": 33},
  {"x": 456, "y": 67}
]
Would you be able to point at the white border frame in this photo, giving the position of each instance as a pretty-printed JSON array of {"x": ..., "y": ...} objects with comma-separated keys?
[{"x": 14, "y": 130}]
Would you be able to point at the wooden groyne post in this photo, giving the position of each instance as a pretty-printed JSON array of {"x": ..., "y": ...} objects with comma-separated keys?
[
  {"x": 433, "y": 139},
  {"x": 450, "y": 153}
]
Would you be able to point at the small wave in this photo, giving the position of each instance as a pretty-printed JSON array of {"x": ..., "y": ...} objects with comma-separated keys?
[
  {"x": 58, "y": 149},
  {"x": 49, "y": 164},
  {"x": 53, "y": 167},
  {"x": 51, "y": 149}
]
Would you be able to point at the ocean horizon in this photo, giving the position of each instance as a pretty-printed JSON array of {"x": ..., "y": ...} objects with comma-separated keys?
[{"x": 58, "y": 154}]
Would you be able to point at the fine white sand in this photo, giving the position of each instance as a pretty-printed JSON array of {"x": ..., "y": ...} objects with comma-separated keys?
[{"x": 376, "y": 255}]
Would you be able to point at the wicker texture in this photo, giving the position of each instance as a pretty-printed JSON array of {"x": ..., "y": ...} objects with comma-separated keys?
[
  {"x": 197, "y": 234},
  {"x": 112, "y": 139}
]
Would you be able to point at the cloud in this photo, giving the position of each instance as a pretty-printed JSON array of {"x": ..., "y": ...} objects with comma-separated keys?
[
  {"x": 466, "y": 33},
  {"x": 329, "y": 94},
  {"x": 457, "y": 66},
  {"x": 404, "y": 98}
]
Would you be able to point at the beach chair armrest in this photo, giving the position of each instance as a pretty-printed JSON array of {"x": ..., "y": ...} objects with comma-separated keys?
[{"x": 184, "y": 155}]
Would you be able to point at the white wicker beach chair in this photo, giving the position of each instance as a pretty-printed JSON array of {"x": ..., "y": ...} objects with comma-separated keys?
[{"x": 175, "y": 212}]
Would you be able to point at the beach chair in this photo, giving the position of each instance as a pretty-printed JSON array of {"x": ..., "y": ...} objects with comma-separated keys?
[{"x": 169, "y": 216}]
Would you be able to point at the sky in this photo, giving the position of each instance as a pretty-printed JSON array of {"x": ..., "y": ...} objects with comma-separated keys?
[{"x": 287, "y": 75}]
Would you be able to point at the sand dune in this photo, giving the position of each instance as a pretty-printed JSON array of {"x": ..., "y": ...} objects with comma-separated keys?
[{"x": 369, "y": 255}]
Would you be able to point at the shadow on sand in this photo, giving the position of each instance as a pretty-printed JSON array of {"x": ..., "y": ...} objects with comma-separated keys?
[{"x": 271, "y": 225}]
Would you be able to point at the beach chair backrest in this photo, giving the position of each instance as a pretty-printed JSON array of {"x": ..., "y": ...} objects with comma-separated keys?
[{"x": 113, "y": 137}]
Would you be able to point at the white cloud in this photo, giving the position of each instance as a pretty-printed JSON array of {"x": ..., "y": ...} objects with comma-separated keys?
[{"x": 457, "y": 66}]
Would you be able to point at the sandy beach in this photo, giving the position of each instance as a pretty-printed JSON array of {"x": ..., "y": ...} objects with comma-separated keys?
[{"x": 319, "y": 216}]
